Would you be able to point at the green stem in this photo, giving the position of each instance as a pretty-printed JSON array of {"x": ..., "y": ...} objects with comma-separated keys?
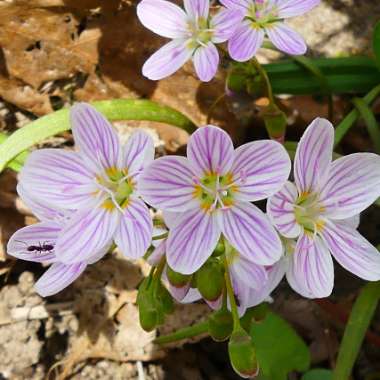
[
  {"x": 360, "y": 319},
  {"x": 265, "y": 78},
  {"x": 162, "y": 236},
  {"x": 186, "y": 332},
  {"x": 345, "y": 125},
  {"x": 229, "y": 287}
]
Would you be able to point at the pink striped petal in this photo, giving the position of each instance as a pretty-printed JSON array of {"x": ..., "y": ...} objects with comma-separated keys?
[
  {"x": 245, "y": 42},
  {"x": 353, "y": 185},
  {"x": 58, "y": 277},
  {"x": 311, "y": 269},
  {"x": 168, "y": 184},
  {"x": 179, "y": 293},
  {"x": 138, "y": 152},
  {"x": 170, "y": 218},
  {"x": 313, "y": 157},
  {"x": 95, "y": 137},
  {"x": 248, "y": 229},
  {"x": 95, "y": 257},
  {"x": 241, "y": 293},
  {"x": 197, "y": 8},
  {"x": 134, "y": 233},
  {"x": 206, "y": 61},
  {"x": 352, "y": 251},
  {"x": 224, "y": 24},
  {"x": 157, "y": 254},
  {"x": 38, "y": 235},
  {"x": 87, "y": 232},
  {"x": 57, "y": 177},
  {"x": 352, "y": 222},
  {"x": 192, "y": 241},
  {"x": 280, "y": 209},
  {"x": 243, "y": 5},
  {"x": 192, "y": 295},
  {"x": 260, "y": 169},
  {"x": 292, "y": 8},
  {"x": 249, "y": 273},
  {"x": 286, "y": 39},
  {"x": 163, "y": 18},
  {"x": 167, "y": 60},
  {"x": 210, "y": 150}
]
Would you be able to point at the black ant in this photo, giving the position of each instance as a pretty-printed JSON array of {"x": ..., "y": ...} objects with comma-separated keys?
[{"x": 41, "y": 247}]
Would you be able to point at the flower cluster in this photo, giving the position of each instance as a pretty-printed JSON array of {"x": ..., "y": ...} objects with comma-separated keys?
[
  {"x": 194, "y": 32},
  {"x": 95, "y": 196}
]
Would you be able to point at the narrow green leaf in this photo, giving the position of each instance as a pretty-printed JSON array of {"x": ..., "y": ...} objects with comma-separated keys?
[
  {"x": 58, "y": 122},
  {"x": 376, "y": 43},
  {"x": 279, "y": 349},
  {"x": 370, "y": 121},
  {"x": 345, "y": 125},
  {"x": 17, "y": 163},
  {"x": 318, "y": 374}
]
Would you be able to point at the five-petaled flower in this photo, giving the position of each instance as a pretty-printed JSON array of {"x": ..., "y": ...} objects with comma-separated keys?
[
  {"x": 320, "y": 210},
  {"x": 194, "y": 35},
  {"x": 212, "y": 189},
  {"x": 96, "y": 185},
  {"x": 265, "y": 17}
]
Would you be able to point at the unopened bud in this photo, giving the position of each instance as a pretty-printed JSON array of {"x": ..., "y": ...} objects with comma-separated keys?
[
  {"x": 275, "y": 122},
  {"x": 165, "y": 300},
  {"x": 176, "y": 279},
  {"x": 242, "y": 354},
  {"x": 210, "y": 280},
  {"x": 220, "y": 325},
  {"x": 219, "y": 250}
]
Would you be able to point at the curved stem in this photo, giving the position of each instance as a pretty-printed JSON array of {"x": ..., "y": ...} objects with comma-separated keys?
[
  {"x": 358, "y": 323},
  {"x": 265, "y": 78}
]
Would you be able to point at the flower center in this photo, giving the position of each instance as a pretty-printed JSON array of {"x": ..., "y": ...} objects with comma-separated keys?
[
  {"x": 200, "y": 33},
  {"x": 118, "y": 186},
  {"x": 215, "y": 191},
  {"x": 307, "y": 211},
  {"x": 261, "y": 13}
]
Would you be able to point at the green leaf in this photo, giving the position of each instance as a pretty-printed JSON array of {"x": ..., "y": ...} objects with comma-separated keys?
[
  {"x": 58, "y": 122},
  {"x": 279, "y": 349},
  {"x": 376, "y": 43},
  {"x": 318, "y": 374},
  {"x": 370, "y": 121},
  {"x": 17, "y": 163}
]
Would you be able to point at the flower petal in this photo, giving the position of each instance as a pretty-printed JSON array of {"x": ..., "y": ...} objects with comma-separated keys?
[
  {"x": 245, "y": 42},
  {"x": 134, "y": 233},
  {"x": 158, "y": 252},
  {"x": 286, "y": 39},
  {"x": 192, "y": 295},
  {"x": 39, "y": 208},
  {"x": 168, "y": 184},
  {"x": 163, "y": 18},
  {"x": 311, "y": 269},
  {"x": 58, "y": 277},
  {"x": 243, "y": 5},
  {"x": 57, "y": 177},
  {"x": 313, "y": 156},
  {"x": 352, "y": 251},
  {"x": 224, "y": 24},
  {"x": 167, "y": 60},
  {"x": 248, "y": 229},
  {"x": 197, "y": 8},
  {"x": 170, "y": 218},
  {"x": 206, "y": 61},
  {"x": 87, "y": 232},
  {"x": 353, "y": 184},
  {"x": 249, "y": 273},
  {"x": 260, "y": 169},
  {"x": 138, "y": 152},
  {"x": 95, "y": 137},
  {"x": 192, "y": 241},
  {"x": 280, "y": 209},
  {"x": 210, "y": 150},
  {"x": 44, "y": 234},
  {"x": 179, "y": 293},
  {"x": 352, "y": 222},
  {"x": 292, "y": 8}
]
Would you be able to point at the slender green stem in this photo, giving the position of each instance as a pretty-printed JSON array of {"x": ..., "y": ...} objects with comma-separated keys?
[
  {"x": 345, "y": 125},
  {"x": 265, "y": 78},
  {"x": 162, "y": 236},
  {"x": 186, "y": 332},
  {"x": 360, "y": 319},
  {"x": 230, "y": 289}
]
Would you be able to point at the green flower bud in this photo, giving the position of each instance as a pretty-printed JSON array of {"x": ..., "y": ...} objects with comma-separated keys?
[
  {"x": 165, "y": 300},
  {"x": 220, "y": 325},
  {"x": 149, "y": 317},
  {"x": 275, "y": 122},
  {"x": 219, "y": 250},
  {"x": 242, "y": 354},
  {"x": 176, "y": 279},
  {"x": 210, "y": 280}
]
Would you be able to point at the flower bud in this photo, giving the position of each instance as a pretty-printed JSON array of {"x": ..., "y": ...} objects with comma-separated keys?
[
  {"x": 148, "y": 316},
  {"x": 210, "y": 280},
  {"x": 275, "y": 122},
  {"x": 220, "y": 325},
  {"x": 176, "y": 279},
  {"x": 165, "y": 300},
  {"x": 242, "y": 354},
  {"x": 219, "y": 250}
]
